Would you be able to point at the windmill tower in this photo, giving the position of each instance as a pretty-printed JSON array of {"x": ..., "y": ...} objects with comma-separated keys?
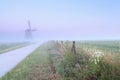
[{"x": 28, "y": 32}]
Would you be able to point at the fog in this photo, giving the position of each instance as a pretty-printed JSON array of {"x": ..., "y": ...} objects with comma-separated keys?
[{"x": 59, "y": 20}]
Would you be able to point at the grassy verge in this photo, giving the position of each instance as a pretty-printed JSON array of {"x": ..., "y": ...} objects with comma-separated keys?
[
  {"x": 26, "y": 69},
  {"x": 35, "y": 67},
  {"x": 83, "y": 67},
  {"x": 8, "y": 47},
  {"x": 59, "y": 57}
]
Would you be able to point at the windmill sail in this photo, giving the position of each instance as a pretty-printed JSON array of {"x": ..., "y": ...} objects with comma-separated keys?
[{"x": 29, "y": 25}]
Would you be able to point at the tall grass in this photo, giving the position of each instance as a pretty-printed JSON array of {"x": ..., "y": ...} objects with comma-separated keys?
[
  {"x": 70, "y": 66},
  {"x": 106, "y": 68}
]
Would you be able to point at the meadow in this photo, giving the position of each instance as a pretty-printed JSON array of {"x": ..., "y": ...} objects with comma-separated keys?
[
  {"x": 70, "y": 60},
  {"x": 5, "y": 47}
]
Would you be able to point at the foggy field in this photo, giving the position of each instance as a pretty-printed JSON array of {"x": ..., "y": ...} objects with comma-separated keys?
[
  {"x": 5, "y": 47},
  {"x": 77, "y": 39},
  {"x": 67, "y": 60}
]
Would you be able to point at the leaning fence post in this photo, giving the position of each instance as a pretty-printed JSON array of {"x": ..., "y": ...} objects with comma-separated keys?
[
  {"x": 73, "y": 48},
  {"x": 62, "y": 42}
]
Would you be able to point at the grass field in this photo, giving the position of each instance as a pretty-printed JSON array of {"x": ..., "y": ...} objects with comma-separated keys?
[
  {"x": 5, "y": 47},
  {"x": 57, "y": 60},
  {"x": 35, "y": 67}
]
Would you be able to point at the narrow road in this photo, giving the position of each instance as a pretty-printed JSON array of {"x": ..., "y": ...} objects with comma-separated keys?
[{"x": 10, "y": 59}]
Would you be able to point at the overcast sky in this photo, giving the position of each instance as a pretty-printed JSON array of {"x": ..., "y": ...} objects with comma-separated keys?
[{"x": 61, "y": 19}]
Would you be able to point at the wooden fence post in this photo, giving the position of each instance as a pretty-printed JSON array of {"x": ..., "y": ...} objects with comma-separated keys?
[
  {"x": 62, "y": 42},
  {"x": 74, "y": 47}
]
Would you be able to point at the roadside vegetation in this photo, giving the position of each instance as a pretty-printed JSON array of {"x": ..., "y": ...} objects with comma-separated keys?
[
  {"x": 70, "y": 60},
  {"x": 5, "y": 47},
  {"x": 92, "y": 61},
  {"x": 37, "y": 66}
]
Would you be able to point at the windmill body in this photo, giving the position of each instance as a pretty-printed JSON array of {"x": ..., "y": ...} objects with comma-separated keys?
[{"x": 28, "y": 32}]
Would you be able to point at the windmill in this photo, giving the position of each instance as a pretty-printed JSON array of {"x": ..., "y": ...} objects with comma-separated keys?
[{"x": 28, "y": 32}]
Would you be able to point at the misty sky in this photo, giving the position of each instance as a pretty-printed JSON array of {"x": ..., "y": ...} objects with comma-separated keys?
[{"x": 60, "y": 19}]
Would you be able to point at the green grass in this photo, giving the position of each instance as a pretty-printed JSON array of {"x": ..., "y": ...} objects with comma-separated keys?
[
  {"x": 24, "y": 70},
  {"x": 5, "y": 47},
  {"x": 37, "y": 65},
  {"x": 107, "y": 68},
  {"x": 106, "y": 46}
]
